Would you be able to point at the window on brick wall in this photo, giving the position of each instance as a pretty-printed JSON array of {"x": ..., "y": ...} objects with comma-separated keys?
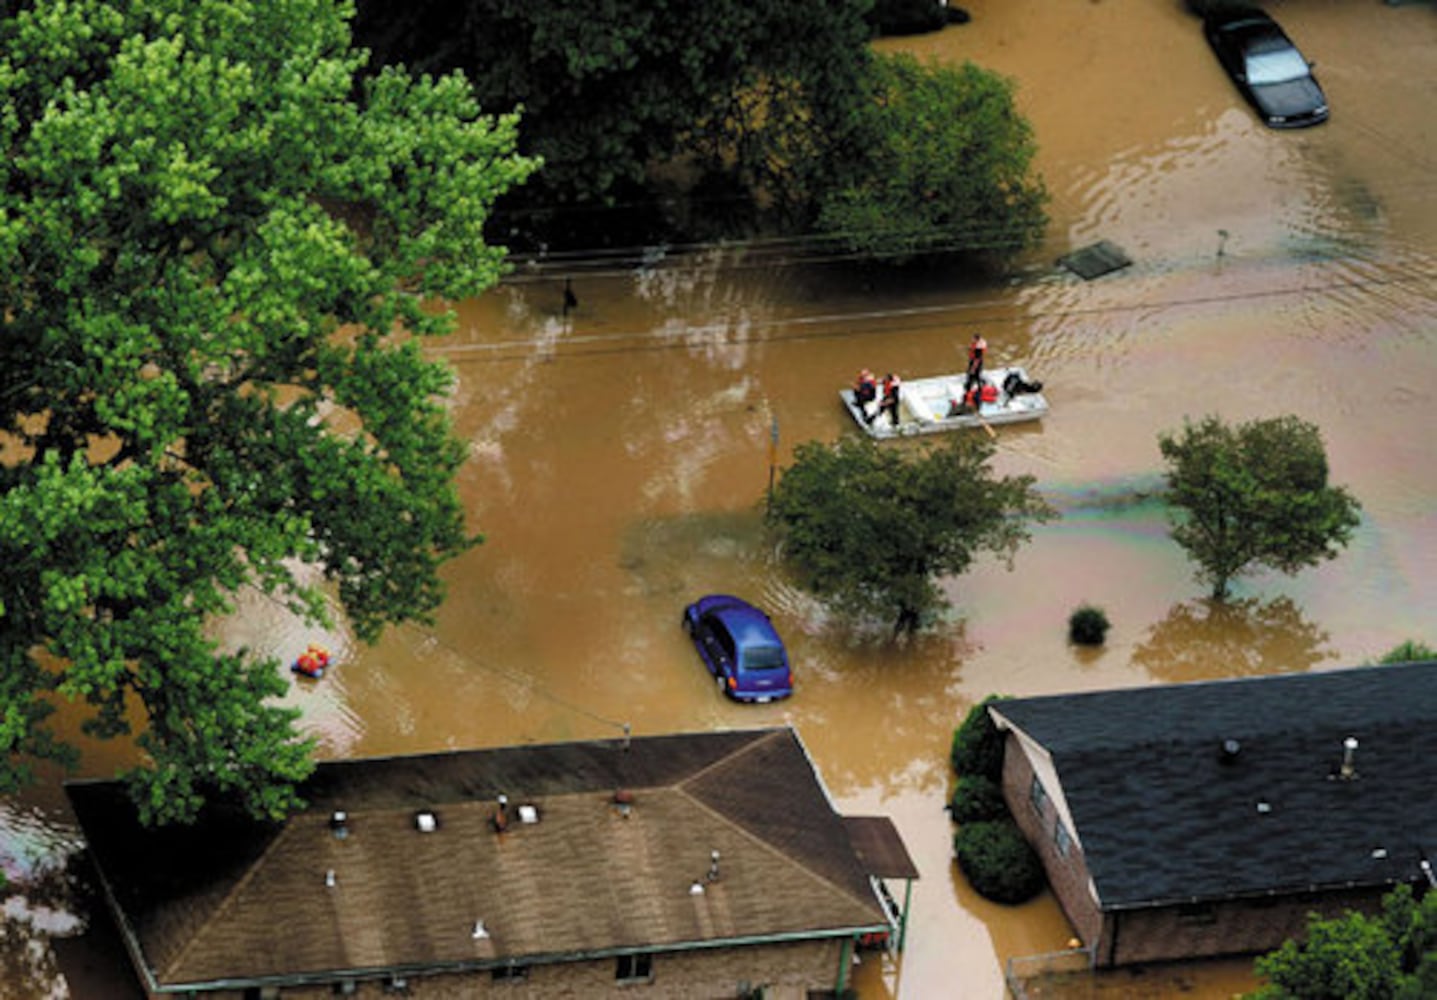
[
  {"x": 1038, "y": 795},
  {"x": 635, "y": 968},
  {"x": 1197, "y": 914},
  {"x": 1062, "y": 838}
]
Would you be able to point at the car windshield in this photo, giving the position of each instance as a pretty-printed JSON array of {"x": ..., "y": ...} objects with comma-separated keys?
[
  {"x": 1275, "y": 66},
  {"x": 762, "y": 658}
]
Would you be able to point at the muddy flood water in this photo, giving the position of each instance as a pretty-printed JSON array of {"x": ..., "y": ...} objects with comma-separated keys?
[{"x": 620, "y": 459}]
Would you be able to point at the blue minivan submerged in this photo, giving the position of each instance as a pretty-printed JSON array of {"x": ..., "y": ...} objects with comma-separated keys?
[{"x": 740, "y": 647}]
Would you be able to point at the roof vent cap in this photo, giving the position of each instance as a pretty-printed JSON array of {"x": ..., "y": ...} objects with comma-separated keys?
[
  {"x": 697, "y": 889},
  {"x": 480, "y": 932},
  {"x": 1348, "y": 770},
  {"x": 425, "y": 821},
  {"x": 528, "y": 813}
]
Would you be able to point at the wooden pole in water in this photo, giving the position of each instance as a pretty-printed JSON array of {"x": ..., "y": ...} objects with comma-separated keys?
[{"x": 772, "y": 458}]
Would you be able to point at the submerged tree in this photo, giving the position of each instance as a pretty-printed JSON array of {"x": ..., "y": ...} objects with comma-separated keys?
[
  {"x": 1254, "y": 496},
  {"x": 215, "y": 257},
  {"x": 938, "y": 160},
  {"x": 870, "y": 529}
]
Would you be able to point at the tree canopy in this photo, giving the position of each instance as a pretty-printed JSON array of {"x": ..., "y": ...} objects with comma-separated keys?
[
  {"x": 871, "y": 529},
  {"x": 217, "y": 253},
  {"x": 1392, "y": 956},
  {"x": 939, "y": 160},
  {"x": 1255, "y": 495},
  {"x": 610, "y": 89},
  {"x": 665, "y": 119}
]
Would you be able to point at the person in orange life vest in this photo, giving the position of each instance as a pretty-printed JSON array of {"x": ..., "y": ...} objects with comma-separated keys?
[
  {"x": 976, "y": 350},
  {"x": 891, "y": 386},
  {"x": 983, "y": 392},
  {"x": 865, "y": 391}
]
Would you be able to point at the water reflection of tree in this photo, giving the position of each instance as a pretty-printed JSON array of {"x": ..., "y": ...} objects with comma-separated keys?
[{"x": 1205, "y": 639}]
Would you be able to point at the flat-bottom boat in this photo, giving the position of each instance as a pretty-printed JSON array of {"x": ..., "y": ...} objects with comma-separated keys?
[{"x": 935, "y": 404}]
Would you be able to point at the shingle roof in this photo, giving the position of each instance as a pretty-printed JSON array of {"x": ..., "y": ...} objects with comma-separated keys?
[
  {"x": 1163, "y": 817},
  {"x": 230, "y": 898}
]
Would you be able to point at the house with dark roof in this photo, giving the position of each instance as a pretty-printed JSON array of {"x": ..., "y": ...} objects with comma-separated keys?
[
  {"x": 1188, "y": 820},
  {"x": 696, "y": 865}
]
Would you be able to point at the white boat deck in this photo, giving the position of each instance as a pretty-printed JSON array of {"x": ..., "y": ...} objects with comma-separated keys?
[{"x": 930, "y": 406}]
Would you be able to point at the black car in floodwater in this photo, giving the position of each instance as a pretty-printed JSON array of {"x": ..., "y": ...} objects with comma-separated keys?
[{"x": 1268, "y": 69}]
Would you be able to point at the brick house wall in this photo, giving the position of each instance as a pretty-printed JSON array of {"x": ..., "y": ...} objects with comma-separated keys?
[
  {"x": 786, "y": 972},
  {"x": 1228, "y": 927},
  {"x": 1038, "y": 818}
]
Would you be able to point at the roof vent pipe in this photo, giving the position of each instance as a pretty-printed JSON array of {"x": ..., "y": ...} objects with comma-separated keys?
[
  {"x": 1349, "y": 753},
  {"x": 713, "y": 866},
  {"x": 1228, "y": 751},
  {"x": 500, "y": 819},
  {"x": 339, "y": 824}
]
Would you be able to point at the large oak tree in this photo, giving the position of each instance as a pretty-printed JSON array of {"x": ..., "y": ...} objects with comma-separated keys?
[{"x": 217, "y": 257}]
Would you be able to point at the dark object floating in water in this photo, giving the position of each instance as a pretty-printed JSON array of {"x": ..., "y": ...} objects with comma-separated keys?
[{"x": 1095, "y": 260}]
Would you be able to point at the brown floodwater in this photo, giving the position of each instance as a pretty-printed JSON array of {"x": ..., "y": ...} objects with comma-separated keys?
[{"x": 620, "y": 455}]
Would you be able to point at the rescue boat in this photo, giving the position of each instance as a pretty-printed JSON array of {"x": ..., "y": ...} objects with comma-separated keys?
[{"x": 935, "y": 404}]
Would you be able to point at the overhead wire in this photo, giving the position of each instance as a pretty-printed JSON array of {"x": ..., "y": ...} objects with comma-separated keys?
[{"x": 804, "y": 327}]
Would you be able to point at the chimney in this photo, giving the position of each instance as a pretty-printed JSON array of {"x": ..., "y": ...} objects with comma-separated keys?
[{"x": 1349, "y": 752}]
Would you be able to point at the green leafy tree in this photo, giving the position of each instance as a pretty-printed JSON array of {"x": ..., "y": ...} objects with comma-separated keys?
[
  {"x": 733, "y": 87},
  {"x": 940, "y": 160},
  {"x": 870, "y": 529},
  {"x": 1392, "y": 956},
  {"x": 1254, "y": 495},
  {"x": 1409, "y": 651},
  {"x": 215, "y": 257}
]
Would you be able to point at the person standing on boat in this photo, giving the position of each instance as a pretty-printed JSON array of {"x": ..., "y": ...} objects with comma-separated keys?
[
  {"x": 891, "y": 385},
  {"x": 976, "y": 350},
  {"x": 865, "y": 392}
]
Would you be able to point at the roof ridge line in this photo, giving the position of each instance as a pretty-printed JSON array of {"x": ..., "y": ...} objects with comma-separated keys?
[
  {"x": 772, "y": 850},
  {"x": 766, "y": 735},
  {"x": 227, "y": 900}
]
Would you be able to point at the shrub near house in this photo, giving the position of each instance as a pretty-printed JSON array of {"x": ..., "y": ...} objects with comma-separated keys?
[{"x": 991, "y": 851}]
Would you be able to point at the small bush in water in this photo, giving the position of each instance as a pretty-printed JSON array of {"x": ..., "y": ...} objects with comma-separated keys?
[
  {"x": 998, "y": 862},
  {"x": 1088, "y": 626}
]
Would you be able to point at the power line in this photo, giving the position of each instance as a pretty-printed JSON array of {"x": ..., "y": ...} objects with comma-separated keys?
[
  {"x": 650, "y": 341},
  {"x": 519, "y": 680}
]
